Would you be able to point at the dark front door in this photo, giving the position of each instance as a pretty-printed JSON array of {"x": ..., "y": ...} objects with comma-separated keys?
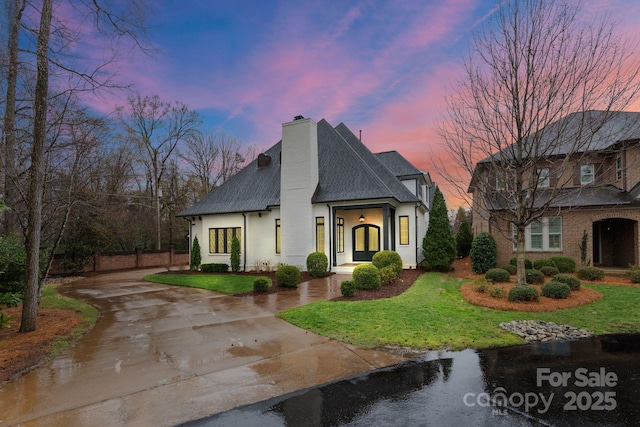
[{"x": 366, "y": 242}]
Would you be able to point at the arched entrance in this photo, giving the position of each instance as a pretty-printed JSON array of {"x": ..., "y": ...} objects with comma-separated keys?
[
  {"x": 615, "y": 242},
  {"x": 366, "y": 241}
]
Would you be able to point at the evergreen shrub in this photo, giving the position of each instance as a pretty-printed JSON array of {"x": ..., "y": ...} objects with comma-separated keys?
[
  {"x": 528, "y": 265},
  {"x": 214, "y": 268},
  {"x": 534, "y": 277},
  {"x": 317, "y": 264},
  {"x": 523, "y": 293},
  {"x": 572, "y": 281},
  {"x": 565, "y": 264},
  {"x": 388, "y": 258},
  {"x": 590, "y": 273},
  {"x": 544, "y": 262},
  {"x": 367, "y": 276},
  {"x": 556, "y": 290},
  {"x": 510, "y": 268},
  {"x": 484, "y": 253},
  {"x": 497, "y": 275},
  {"x": 348, "y": 288},
  {"x": 548, "y": 270},
  {"x": 288, "y": 276},
  {"x": 261, "y": 284}
]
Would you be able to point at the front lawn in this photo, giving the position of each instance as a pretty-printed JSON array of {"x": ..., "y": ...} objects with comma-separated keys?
[
  {"x": 433, "y": 315},
  {"x": 230, "y": 284}
]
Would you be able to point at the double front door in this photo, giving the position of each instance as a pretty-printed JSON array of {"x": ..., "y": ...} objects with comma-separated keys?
[{"x": 366, "y": 242}]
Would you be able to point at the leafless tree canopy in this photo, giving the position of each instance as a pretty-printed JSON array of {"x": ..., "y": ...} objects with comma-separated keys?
[{"x": 531, "y": 65}]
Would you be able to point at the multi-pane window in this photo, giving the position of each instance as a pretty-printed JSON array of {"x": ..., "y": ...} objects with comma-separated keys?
[
  {"x": 587, "y": 174},
  {"x": 220, "y": 239},
  {"x": 501, "y": 182},
  {"x": 278, "y": 241},
  {"x": 320, "y": 234},
  {"x": 340, "y": 230},
  {"x": 543, "y": 234},
  {"x": 543, "y": 177},
  {"x": 404, "y": 230},
  {"x": 619, "y": 168}
]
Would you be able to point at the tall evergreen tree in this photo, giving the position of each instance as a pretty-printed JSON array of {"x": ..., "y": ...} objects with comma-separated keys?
[
  {"x": 438, "y": 245},
  {"x": 196, "y": 256},
  {"x": 464, "y": 237}
]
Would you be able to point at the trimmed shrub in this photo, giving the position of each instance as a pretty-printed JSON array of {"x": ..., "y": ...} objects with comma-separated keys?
[
  {"x": 438, "y": 245},
  {"x": 528, "y": 265},
  {"x": 534, "y": 277},
  {"x": 544, "y": 262},
  {"x": 523, "y": 293},
  {"x": 590, "y": 273},
  {"x": 464, "y": 239},
  {"x": 13, "y": 264},
  {"x": 510, "y": 268},
  {"x": 388, "y": 258},
  {"x": 548, "y": 270},
  {"x": 634, "y": 273},
  {"x": 565, "y": 264},
  {"x": 367, "y": 276},
  {"x": 288, "y": 276},
  {"x": 317, "y": 264},
  {"x": 484, "y": 253},
  {"x": 497, "y": 275},
  {"x": 572, "y": 281},
  {"x": 556, "y": 290},
  {"x": 196, "y": 256},
  {"x": 480, "y": 284},
  {"x": 497, "y": 292},
  {"x": 235, "y": 254},
  {"x": 214, "y": 268},
  {"x": 388, "y": 275},
  {"x": 348, "y": 288},
  {"x": 261, "y": 284}
]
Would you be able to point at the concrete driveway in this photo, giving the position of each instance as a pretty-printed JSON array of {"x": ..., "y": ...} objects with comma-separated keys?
[{"x": 162, "y": 355}]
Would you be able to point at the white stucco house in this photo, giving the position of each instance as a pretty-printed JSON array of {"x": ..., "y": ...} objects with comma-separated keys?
[{"x": 318, "y": 189}]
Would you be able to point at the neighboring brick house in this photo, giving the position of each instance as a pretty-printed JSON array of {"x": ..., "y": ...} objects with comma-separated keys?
[
  {"x": 318, "y": 189},
  {"x": 596, "y": 190}
]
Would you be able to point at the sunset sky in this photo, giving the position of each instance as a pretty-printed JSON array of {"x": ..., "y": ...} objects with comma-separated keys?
[{"x": 382, "y": 67}]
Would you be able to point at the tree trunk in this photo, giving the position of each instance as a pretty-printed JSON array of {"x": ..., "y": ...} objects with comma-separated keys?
[
  {"x": 36, "y": 175},
  {"x": 10, "y": 197},
  {"x": 520, "y": 256}
]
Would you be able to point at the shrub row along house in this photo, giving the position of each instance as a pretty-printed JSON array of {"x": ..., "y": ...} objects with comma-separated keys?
[
  {"x": 581, "y": 189},
  {"x": 318, "y": 189}
]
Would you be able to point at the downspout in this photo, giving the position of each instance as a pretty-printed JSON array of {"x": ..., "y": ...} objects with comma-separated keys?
[
  {"x": 244, "y": 242},
  {"x": 190, "y": 239},
  {"x": 330, "y": 235},
  {"x": 415, "y": 209}
]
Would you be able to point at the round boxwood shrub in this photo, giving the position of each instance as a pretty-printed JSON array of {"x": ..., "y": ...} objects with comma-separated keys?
[
  {"x": 366, "y": 276},
  {"x": 512, "y": 269},
  {"x": 497, "y": 275},
  {"x": 261, "y": 284},
  {"x": 634, "y": 273},
  {"x": 523, "y": 293},
  {"x": 348, "y": 288},
  {"x": 388, "y": 275},
  {"x": 484, "y": 253},
  {"x": 534, "y": 277},
  {"x": 480, "y": 284},
  {"x": 528, "y": 265},
  {"x": 565, "y": 264},
  {"x": 572, "y": 281},
  {"x": 590, "y": 273},
  {"x": 556, "y": 290},
  {"x": 544, "y": 262},
  {"x": 388, "y": 258},
  {"x": 288, "y": 276},
  {"x": 317, "y": 264},
  {"x": 548, "y": 270}
]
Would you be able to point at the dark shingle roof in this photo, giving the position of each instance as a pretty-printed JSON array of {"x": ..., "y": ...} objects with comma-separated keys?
[
  {"x": 397, "y": 164},
  {"x": 348, "y": 171}
]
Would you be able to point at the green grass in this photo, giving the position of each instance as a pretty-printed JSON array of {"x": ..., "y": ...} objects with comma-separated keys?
[
  {"x": 230, "y": 284},
  {"x": 89, "y": 315},
  {"x": 433, "y": 315}
]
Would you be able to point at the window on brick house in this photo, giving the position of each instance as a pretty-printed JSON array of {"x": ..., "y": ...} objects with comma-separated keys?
[
  {"x": 543, "y": 234},
  {"x": 618, "y": 168}
]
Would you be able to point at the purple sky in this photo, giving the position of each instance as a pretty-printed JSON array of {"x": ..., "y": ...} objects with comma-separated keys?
[{"x": 382, "y": 67}]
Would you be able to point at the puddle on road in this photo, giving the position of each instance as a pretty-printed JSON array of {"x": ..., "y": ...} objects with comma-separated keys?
[{"x": 587, "y": 382}]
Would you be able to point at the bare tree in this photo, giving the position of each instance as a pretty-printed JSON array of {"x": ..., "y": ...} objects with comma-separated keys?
[
  {"x": 155, "y": 128},
  {"x": 532, "y": 64}
]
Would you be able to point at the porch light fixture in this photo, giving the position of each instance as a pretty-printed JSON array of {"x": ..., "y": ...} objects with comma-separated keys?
[{"x": 361, "y": 219}]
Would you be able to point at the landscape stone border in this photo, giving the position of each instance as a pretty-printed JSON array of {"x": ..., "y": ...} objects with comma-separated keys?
[{"x": 539, "y": 330}]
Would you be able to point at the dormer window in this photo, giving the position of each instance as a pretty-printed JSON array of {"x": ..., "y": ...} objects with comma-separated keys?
[
  {"x": 587, "y": 174},
  {"x": 618, "y": 168}
]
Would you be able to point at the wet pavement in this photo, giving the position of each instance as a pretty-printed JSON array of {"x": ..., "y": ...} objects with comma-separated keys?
[
  {"x": 163, "y": 355},
  {"x": 592, "y": 382}
]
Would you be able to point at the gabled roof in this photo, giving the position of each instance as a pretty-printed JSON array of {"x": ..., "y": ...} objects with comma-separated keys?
[{"x": 347, "y": 170}]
